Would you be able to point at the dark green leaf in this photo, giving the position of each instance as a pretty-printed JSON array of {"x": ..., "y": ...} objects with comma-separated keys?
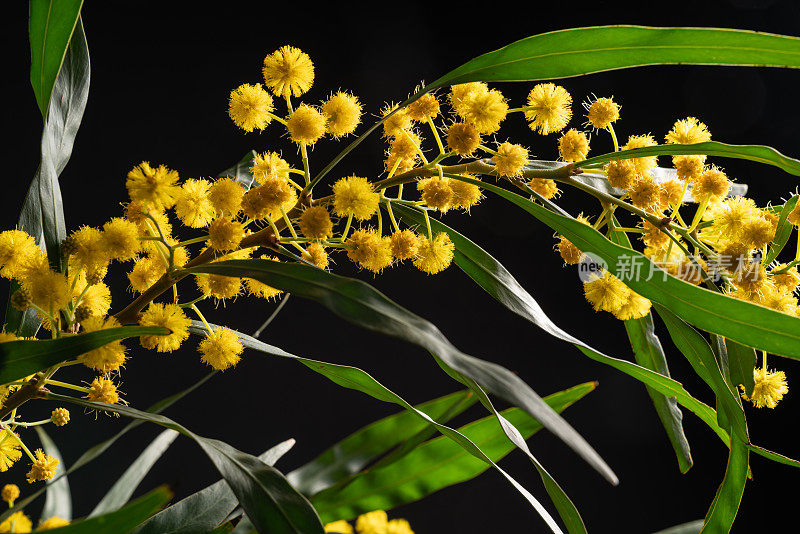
[
  {"x": 757, "y": 153},
  {"x": 19, "y": 359},
  {"x": 363, "y": 305},
  {"x": 357, "y": 379},
  {"x": 696, "y": 349},
  {"x": 50, "y": 27},
  {"x": 578, "y": 51},
  {"x": 782, "y": 232},
  {"x": 741, "y": 362},
  {"x": 744, "y": 322},
  {"x": 96, "y": 450},
  {"x": 434, "y": 465},
  {"x": 204, "y": 510},
  {"x": 356, "y": 451},
  {"x": 123, "y": 520},
  {"x": 774, "y": 456},
  {"x": 124, "y": 487},
  {"x": 58, "y": 499},
  {"x": 267, "y": 498},
  {"x": 726, "y": 503},
  {"x": 42, "y": 214}
]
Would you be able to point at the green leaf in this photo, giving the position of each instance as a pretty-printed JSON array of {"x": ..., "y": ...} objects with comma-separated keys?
[
  {"x": 578, "y": 51},
  {"x": 757, "y": 153},
  {"x": 357, "y": 379},
  {"x": 696, "y": 349},
  {"x": 434, "y": 465},
  {"x": 204, "y": 510},
  {"x": 96, "y": 450},
  {"x": 50, "y": 27},
  {"x": 241, "y": 170},
  {"x": 774, "y": 456},
  {"x": 782, "y": 232},
  {"x": 693, "y": 527},
  {"x": 744, "y": 322},
  {"x": 22, "y": 358},
  {"x": 356, "y": 451},
  {"x": 58, "y": 499},
  {"x": 123, "y": 520},
  {"x": 649, "y": 354},
  {"x": 726, "y": 503},
  {"x": 360, "y": 303},
  {"x": 267, "y": 498},
  {"x": 490, "y": 275},
  {"x": 42, "y": 214},
  {"x": 741, "y": 362},
  {"x": 124, "y": 487}
]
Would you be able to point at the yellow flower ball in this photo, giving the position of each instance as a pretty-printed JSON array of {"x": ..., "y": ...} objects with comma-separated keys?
[
  {"x": 225, "y": 234},
  {"x": 315, "y": 223},
  {"x": 485, "y": 111},
  {"x": 436, "y": 193},
  {"x": 156, "y": 188},
  {"x": 43, "y": 468},
  {"x": 316, "y": 254},
  {"x": 434, "y": 255},
  {"x": 306, "y": 125},
  {"x": 288, "y": 71},
  {"x": 102, "y": 389},
  {"x": 552, "y": 108},
  {"x": 462, "y": 138},
  {"x": 225, "y": 196},
  {"x": 510, "y": 159},
  {"x": 169, "y": 316},
  {"x": 192, "y": 205},
  {"x": 221, "y": 350},
  {"x": 250, "y": 107},
  {"x": 644, "y": 164},
  {"x": 573, "y": 146},
  {"x": 342, "y": 113},
  {"x": 602, "y": 113},
  {"x": 369, "y": 250},
  {"x": 355, "y": 196},
  {"x": 423, "y": 108},
  {"x": 121, "y": 239}
]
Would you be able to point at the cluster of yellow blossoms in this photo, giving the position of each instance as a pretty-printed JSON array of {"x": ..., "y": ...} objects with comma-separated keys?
[
  {"x": 376, "y": 522},
  {"x": 20, "y": 523}
]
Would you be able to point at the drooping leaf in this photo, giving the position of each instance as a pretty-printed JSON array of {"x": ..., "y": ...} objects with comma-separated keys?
[
  {"x": 124, "y": 519},
  {"x": 124, "y": 487},
  {"x": 774, "y": 456},
  {"x": 695, "y": 347},
  {"x": 744, "y": 322},
  {"x": 782, "y": 232},
  {"x": 726, "y": 503},
  {"x": 42, "y": 214},
  {"x": 267, "y": 498},
  {"x": 741, "y": 362},
  {"x": 22, "y": 358},
  {"x": 490, "y": 275},
  {"x": 436, "y": 464},
  {"x": 58, "y": 499},
  {"x": 357, "y": 450},
  {"x": 50, "y": 27},
  {"x": 96, "y": 450},
  {"x": 204, "y": 510},
  {"x": 357, "y": 379},
  {"x": 758, "y": 153},
  {"x": 363, "y": 305},
  {"x": 578, "y": 51}
]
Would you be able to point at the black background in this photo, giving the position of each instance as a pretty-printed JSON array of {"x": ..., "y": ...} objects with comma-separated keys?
[{"x": 160, "y": 82}]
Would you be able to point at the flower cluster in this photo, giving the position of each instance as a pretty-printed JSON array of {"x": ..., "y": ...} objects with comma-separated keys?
[
  {"x": 376, "y": 522},
  {"x": 18, "y": 521}
]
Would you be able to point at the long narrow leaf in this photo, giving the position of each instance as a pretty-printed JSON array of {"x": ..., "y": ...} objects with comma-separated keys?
[
  {"x": 124, "y": 487},
  {"x": 267, "y": 498},
  {"x": 204, "y": 510},
  {"x": 357, "y": 379},
  {"x": 363, "y": 305},
  {"x": 58, "y": 499},
  {"x": 726, "y": 503},
  {"x": 356, "y": 451},
  {"x": 436, "y": 464},
  {"x": 19, "y": 359},
  {"x": 782, "y": 232}
]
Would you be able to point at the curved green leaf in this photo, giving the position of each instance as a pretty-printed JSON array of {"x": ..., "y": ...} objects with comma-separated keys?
[
  {"x": 204, "y": 510},
  {"x": 123, "y": 520},
  {"x": 490, "y": 275},
  {"x": 757, "y": 153},
  {"x": 774, "y": 456},
  {"x": 357, "y": 379},
  {"x": 741, "y": 362},
  {"x": 744, "y": 322},
  {"x": 22, "y": 358},
  {"x": 123, "y": 488},
  {"x": 42, "y": 214},
  {"x": 96, "y": 450},
  {"x": 58, "y": 499},
  {"x": 434, "y": 465},
  {"x": 50, "y": 27},
  {"x": 363, "y": 305},
  {"x": 578, "y": 51},
  {"x": 726, "y": 503},
  {"x": 357, "y": 450},
  {"x": 782, "y": 232},
  {"x": 267, "y": 498}
]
